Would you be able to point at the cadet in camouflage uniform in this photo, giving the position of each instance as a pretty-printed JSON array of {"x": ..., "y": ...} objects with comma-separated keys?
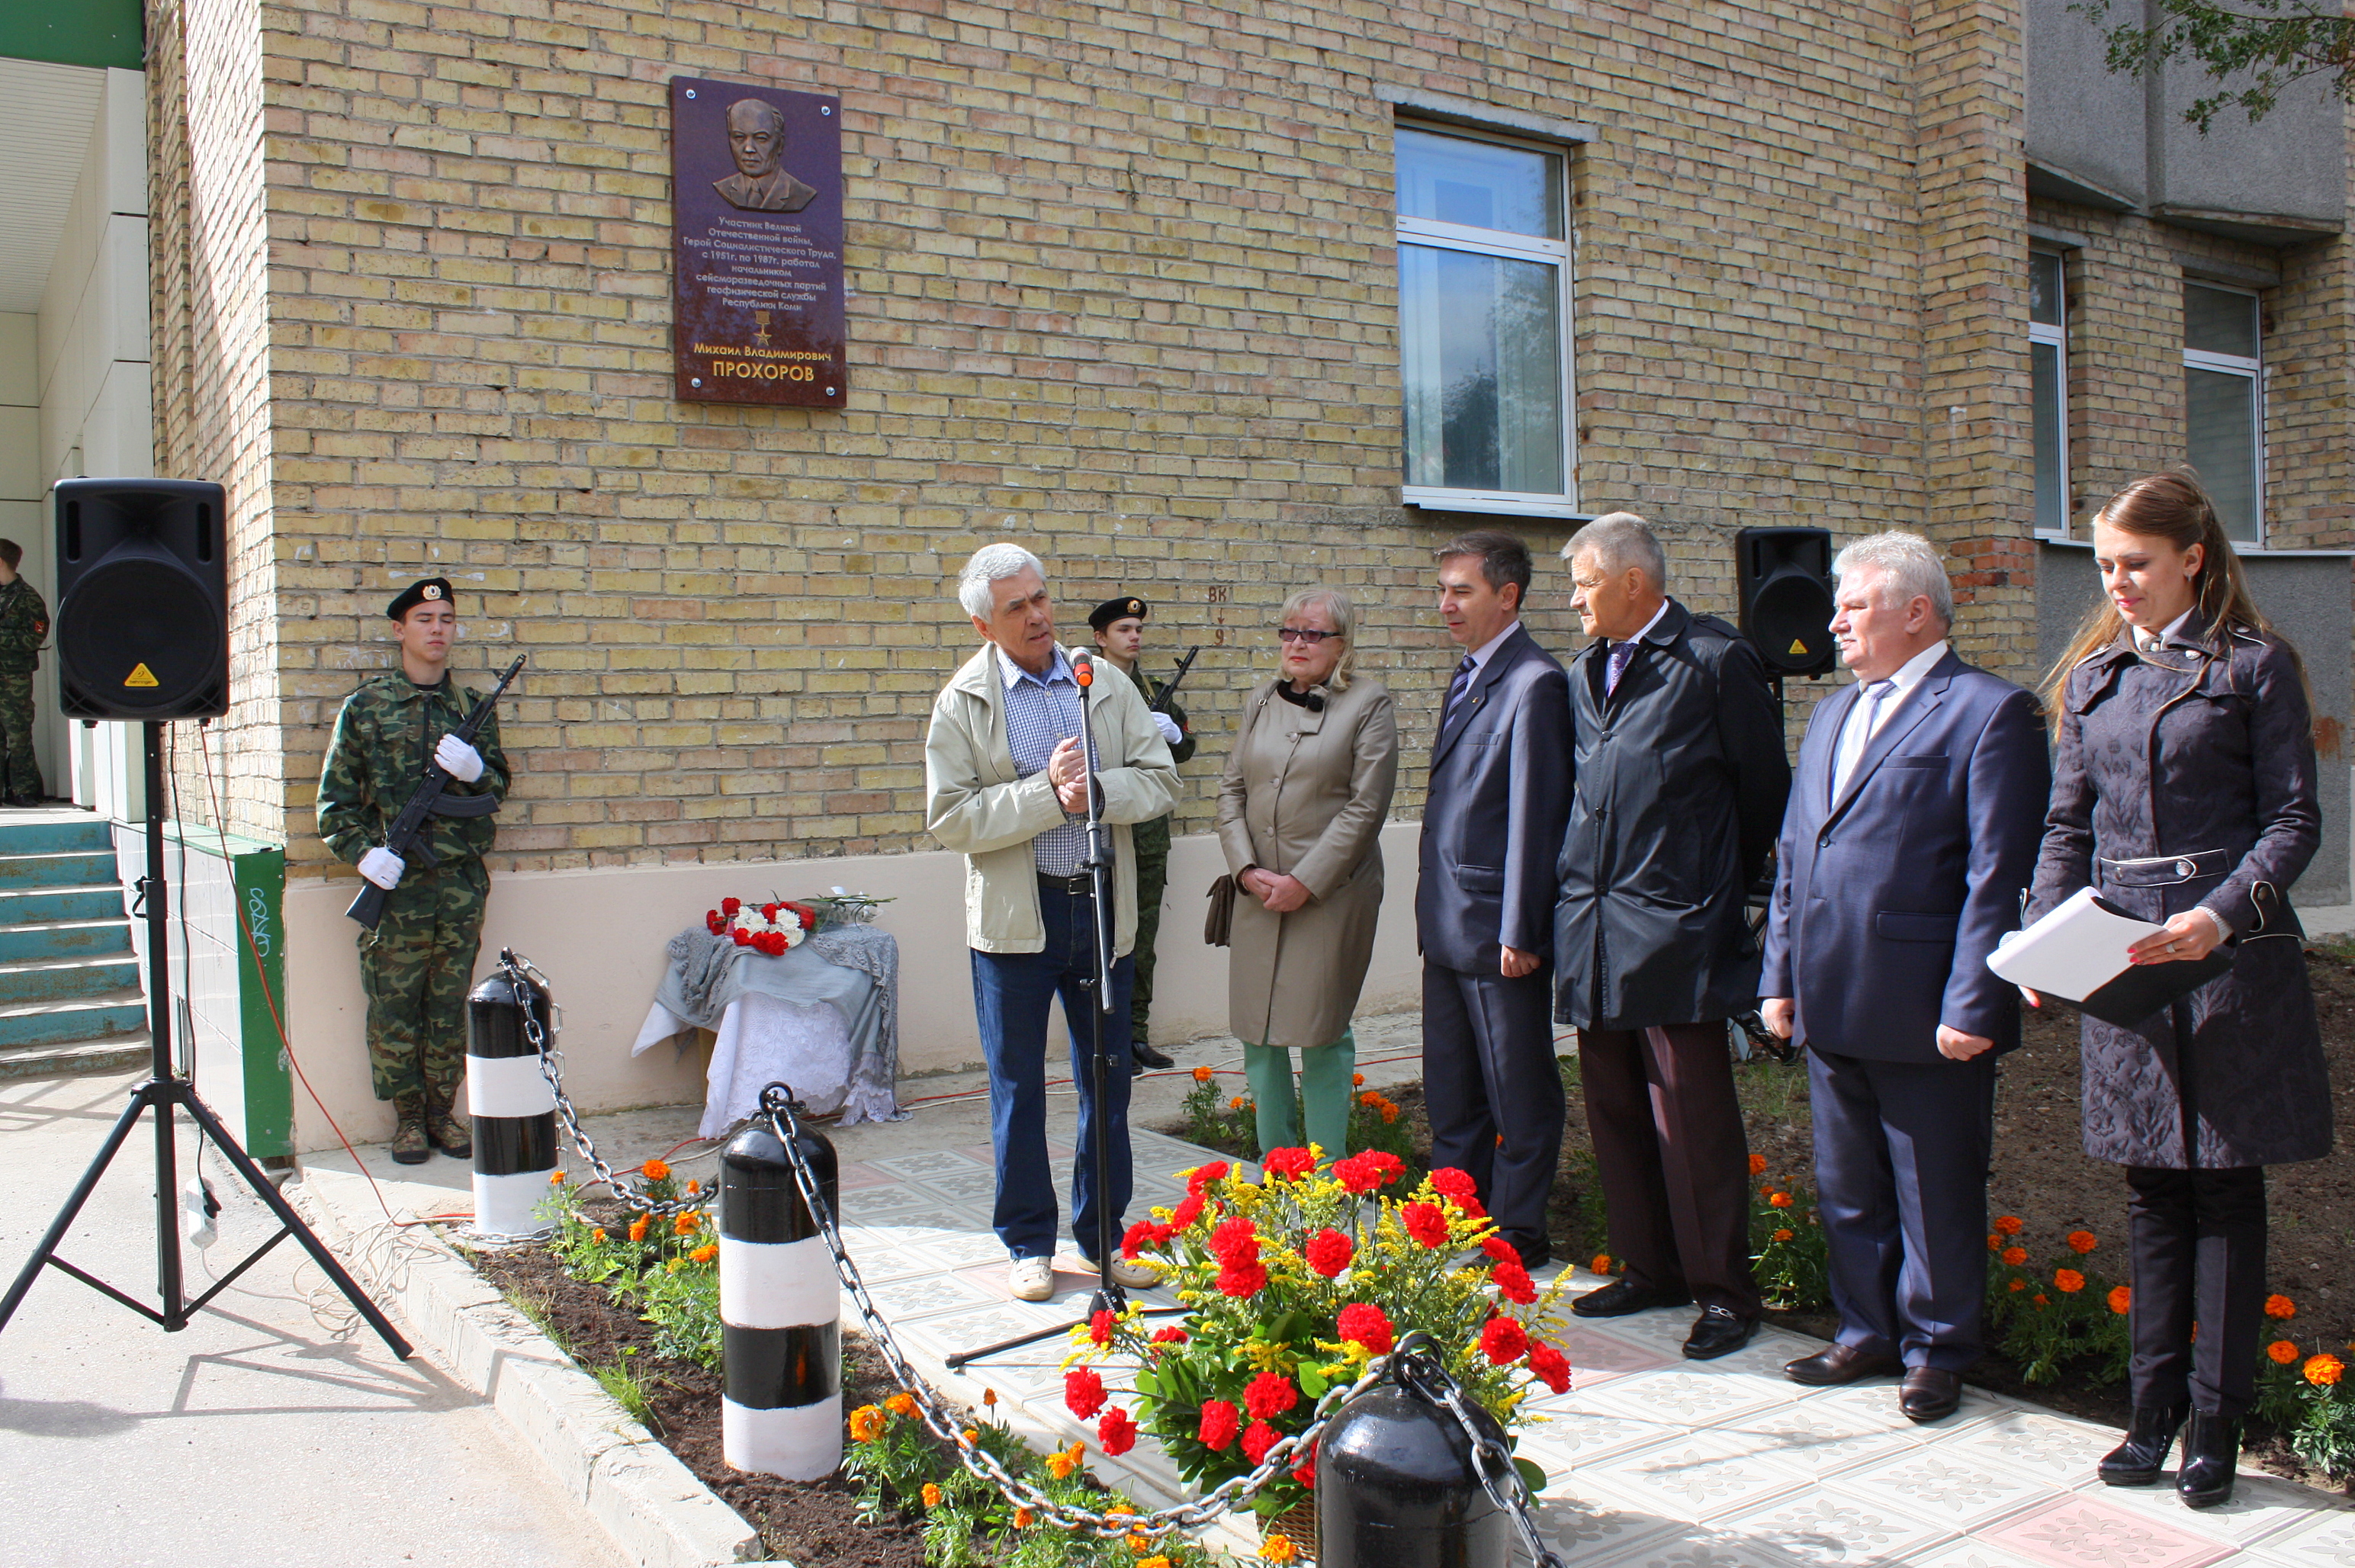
[
  {"x": 24, "y": 624},
  {"x": 1119, "y": 626},
  {"x": 417, "y": 964}
]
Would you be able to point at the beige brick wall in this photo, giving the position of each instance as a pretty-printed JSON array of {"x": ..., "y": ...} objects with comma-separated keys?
[{"x": 1122, "y": 286}]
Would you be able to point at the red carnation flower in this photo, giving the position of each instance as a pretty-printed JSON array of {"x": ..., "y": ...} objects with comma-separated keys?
[
  {"x": 1205, "y": 1175},
  {"x": 1083, "y": 1393},
  {"x": 1425, "y": 1224},
  {"x": 1514, "y": 1284},
  {"x": 1116, "y": 1431},
  {"x": 1220, "y": 1421},
  {"x": 729, "y": 906},
  {"x": 1100, "y": 1326},
  {"x": 1357, "y": 1174},
  {"x": 1169, "y": 1336},
  {"x": 1386, "y": 1166},
  {"x": 1328, "y": 1252},
  {"x": 769, "y": 912},
  {"x": 1242, "y": 1281},
  {"x": 1305, "y": 1474},
  {"x": 1450, "y": 1182},
  {"x": 1143, "y": 1234},
  {"x": 1504, "y": 1341},
  {"x": 1471, "y": 1208},
  {"x": 1269, "y": 1393},
  {"x": 1369, "y": 1326},
  {"x": 1501, "y": 1250},
  {"x": 808, "y": 918},
  {"x": 1234, "y": 1244},
  {"x": 1552, "y": 1367},
  {"x": 1185, "y": 1213},
  {"x": 1292, "y": 1164},
  {"x": 743, "y": 937},
  {"x": 1258, "y": 1438}
]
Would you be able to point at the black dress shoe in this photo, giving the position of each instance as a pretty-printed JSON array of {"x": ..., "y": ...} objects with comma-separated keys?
[
  {"x": 1146, "y": 1056},
  {"x": 1835, "y": 1366},
  {"x": 1537, "y": 1257},
  {"x": 2212, "y": 1447},
  {"x": 1929, "y": 1395},
  {"x": 1622, "y": 1296},
  {"x": 1718, "y": 1331},
  {"x": 2136, "y": 1461}
]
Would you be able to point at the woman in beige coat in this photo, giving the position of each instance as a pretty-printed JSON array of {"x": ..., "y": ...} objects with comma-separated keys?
[{"x": 1300, "y": 818}]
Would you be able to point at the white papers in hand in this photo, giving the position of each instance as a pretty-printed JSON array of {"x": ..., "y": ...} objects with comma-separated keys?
[{"x": 2072, "y": 951}]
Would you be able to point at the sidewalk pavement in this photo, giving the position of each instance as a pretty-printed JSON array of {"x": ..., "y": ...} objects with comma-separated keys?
[
  {"x": 276, "y": 1428},
  {"x": 1655, "y": 1462}
]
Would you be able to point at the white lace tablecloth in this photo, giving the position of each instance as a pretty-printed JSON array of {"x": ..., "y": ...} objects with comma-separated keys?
[{"x": 764, "y": 1041}]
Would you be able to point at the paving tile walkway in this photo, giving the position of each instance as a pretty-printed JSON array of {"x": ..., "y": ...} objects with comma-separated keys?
[{"x": 1655, "y": 1462}]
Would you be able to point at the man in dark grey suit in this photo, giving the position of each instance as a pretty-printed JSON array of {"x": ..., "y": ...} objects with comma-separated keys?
[
  {"x": 1911, "y": 830},
  {"x": 1483, "y": 908},
  {"x": 1681, "y": 783}
]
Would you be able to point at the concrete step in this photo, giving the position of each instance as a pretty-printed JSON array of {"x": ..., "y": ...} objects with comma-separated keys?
[
  {"x": 111, "y": 1054},
  {"x": 55, "y": 979},
  {"x": 56, "y": 1021},
  {"x": 24, "y": 906},
  {"x": 65, "y": 868},
  {"x": 55, "y": 834},
  {"x": 56, "y": 939}
]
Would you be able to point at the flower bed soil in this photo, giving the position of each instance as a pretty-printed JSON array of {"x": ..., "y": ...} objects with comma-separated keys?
[{"x": 809, "y": 1523}]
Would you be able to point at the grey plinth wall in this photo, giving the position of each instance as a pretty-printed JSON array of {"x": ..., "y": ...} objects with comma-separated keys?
[{"x": 2308, "y": 595}]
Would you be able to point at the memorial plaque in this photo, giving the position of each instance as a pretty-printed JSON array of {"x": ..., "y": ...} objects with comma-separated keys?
[{"x": 756, "y": 245}]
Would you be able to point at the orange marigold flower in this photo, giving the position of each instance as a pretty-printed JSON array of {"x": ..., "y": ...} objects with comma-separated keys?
[
  {"x": 968, "y": 1436},
  {"x": 638, "y": 1228},
  {"x": 1202, "y": 1075},
  {"x": 1237, "y": 1104},
  {"x": 2280, "y": 1307},
  {"x": 866, "y": 1423},
  {"x": 1140, "y": 1544},
  {"x": 1370, "y": 1097},
  {"x": 687, "y": 1224},
  {"x": 1153, "y": 1562},
  {"x": 2282, "y": 1351},
  {"x": 1023, "y": 1518},
  {"x": 1601, "y": 1264},
  {"x": 2008, "y": 1224},
  {"x": 2068, "y": 1281},
  {"x": 1995, "y": 1242},
  {"x": 694, "y": 1188},
  {"x": 556, "y": 1178},
  {"x": 1782, "y": 1235},
  {"x": 1390, "y": 1113},
  {"x": 598, "y": 1237},
  {"x": 1356, "y": 1080},
  {"x": 655, "y": 1170},
  {"x": 2121, "y": 1297},
  {"x": 1780, "y": 1201},
  {"x": 2015, "y": 1256},
  {"x": 932, "y": 1494},
  {"x": 989, "y": 1397},
  {"x": 2082, "y": 1242},
  {"x": 1278, "y": 1548},
  {"x": 1757, "y": 1165},
  {"x": 2020, "y": 1285},
  {"x": 901, "y": 1405},
  {"x": 2041, "y": 1299},
  {"x": 2323, "y": 1370},
  {"x": 1061, "y": 1465},
  {"x": 706, "y": 1253}
]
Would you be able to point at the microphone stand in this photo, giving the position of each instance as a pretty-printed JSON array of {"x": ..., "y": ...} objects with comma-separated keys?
[{"x": 1109, "y": 1296}]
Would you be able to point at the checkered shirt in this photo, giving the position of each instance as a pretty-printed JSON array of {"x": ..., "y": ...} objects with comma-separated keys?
[{"x": 1042, "y": 712}]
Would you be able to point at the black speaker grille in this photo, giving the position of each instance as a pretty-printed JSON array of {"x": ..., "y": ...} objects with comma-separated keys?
[
  {"x": 139, "y": 633},
  {"x": 1790, "y": 620}
]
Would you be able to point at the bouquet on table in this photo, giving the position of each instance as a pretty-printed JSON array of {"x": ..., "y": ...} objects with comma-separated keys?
[
  {"x": 768, "y": 928},
  {"x": 1297, "y": 1280}
]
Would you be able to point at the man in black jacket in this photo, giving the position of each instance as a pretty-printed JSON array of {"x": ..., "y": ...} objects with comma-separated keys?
[
  {"x": 1491, "y": 828},
  {"x": 1681, "y": 779}
]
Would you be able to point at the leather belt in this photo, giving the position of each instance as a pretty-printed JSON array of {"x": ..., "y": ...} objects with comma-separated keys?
[
  {"x": 2166, "y": 870},
  {"x": 1075, "y": 885}
]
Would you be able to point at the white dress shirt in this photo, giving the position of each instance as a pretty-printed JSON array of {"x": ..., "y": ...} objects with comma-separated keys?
[{"x": 1865, "y": 717}]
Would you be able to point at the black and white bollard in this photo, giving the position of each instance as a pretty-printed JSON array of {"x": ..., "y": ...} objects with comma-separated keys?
[
  {"x": 1396, "y": 1486},
  {"x": 513, "y": 1106},
  {"x": 780, "y": 1311}
]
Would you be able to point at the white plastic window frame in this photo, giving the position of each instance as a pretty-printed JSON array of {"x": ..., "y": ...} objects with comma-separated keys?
[
  {"x": 2056, "y": 334},
  {"x": 2253, "y": 370},
  {"x": 1516, "y": 248}
]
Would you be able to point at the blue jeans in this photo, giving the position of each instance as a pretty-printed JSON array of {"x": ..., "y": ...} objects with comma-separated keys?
[{"x": 1011, "y": 994}]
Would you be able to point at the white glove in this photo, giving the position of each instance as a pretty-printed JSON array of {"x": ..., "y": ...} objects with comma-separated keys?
[
  {"x": 1168, "y": 727},
  {"x": 383, "y": 867},
  {"x": 459, "y": 760}
]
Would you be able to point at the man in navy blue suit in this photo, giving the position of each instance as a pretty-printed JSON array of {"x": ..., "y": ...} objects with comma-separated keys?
[{"x": 1913, "y": 827}]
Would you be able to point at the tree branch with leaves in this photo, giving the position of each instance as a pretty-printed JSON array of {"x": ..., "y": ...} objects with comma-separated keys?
[{"x": 2270, "y": 46}]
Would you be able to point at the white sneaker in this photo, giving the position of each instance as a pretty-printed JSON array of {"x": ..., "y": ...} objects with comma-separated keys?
[
  {"x": 1135, "y": 1275},
  {"x": 1031, "y": 1279}
]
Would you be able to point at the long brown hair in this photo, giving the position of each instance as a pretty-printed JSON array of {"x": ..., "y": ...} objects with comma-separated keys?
[{"x": 2171, "y": 504}]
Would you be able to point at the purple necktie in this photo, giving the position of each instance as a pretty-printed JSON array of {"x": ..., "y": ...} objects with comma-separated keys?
[
  {"x": 1455, "y": 690},
  {"x": 1623, "y": 654}
]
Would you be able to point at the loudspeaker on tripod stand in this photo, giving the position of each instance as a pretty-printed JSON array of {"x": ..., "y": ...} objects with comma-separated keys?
[{"x": 142, "y": 623}]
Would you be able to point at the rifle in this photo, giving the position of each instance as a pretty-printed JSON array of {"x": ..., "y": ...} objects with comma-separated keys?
[
  {"x": 1160, "y": 704},
  {"x": 406, "y": 837}
]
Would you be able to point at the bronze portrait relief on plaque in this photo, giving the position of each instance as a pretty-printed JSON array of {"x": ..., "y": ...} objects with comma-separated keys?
[{"x": 756, "y": 245}]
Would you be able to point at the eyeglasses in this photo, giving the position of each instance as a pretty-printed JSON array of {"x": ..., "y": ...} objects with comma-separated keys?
[{"x": 1303, "y": 635}]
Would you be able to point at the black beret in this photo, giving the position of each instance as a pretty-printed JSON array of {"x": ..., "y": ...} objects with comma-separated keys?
[
  {"x": 433, "y": 591},
  {"x": 1126, "y": 606}
]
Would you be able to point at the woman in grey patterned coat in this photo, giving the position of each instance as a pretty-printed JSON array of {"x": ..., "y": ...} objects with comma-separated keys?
[{"x": 2183, "y": 791}]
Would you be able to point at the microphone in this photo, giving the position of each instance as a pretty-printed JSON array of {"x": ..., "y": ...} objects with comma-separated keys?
[{"x": 1083, "y": 670}]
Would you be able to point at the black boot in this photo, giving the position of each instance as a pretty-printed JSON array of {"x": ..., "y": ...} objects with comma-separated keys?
[
  {"x": 2212, "y": 1447},
  {"x": 2136, "y": 1461}
]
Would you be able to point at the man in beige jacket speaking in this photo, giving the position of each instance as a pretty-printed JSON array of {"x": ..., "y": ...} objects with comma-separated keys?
[{"x": 1006, "y": 783}]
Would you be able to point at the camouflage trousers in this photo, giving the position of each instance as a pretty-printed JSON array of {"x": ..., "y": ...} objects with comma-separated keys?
[
  {"x": 416, "y": 967},
  {"x": 1152, "y": 878},
  {"x": 20, "y": 775}
]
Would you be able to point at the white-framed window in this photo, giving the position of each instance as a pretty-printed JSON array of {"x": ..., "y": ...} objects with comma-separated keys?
[
  {"x": 2224, "y": 404},
  {"x": 1484, "y": 322},
  {"x": 2048, "y": 368}
]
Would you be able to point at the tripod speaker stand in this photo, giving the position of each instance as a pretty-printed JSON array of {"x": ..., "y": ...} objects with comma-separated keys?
[{"x": 164, "y": 1092}]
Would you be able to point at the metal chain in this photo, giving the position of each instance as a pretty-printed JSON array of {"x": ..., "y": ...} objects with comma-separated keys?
[
  {"x": 521, "y": 971},
  {"x": 777, "y": 1103},
  {"x": 1491, "y": 1460}
]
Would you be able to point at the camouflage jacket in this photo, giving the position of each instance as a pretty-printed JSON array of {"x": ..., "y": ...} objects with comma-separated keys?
[
  {"x": 1153, "y": 837},
  {"x": 24, "y": 626},
  {"x": 384, "y": 739}
]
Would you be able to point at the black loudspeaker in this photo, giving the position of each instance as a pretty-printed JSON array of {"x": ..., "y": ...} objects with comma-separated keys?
[
  {"x": 142, "y": 622},
  {"x": 1785, "y": 580}
]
